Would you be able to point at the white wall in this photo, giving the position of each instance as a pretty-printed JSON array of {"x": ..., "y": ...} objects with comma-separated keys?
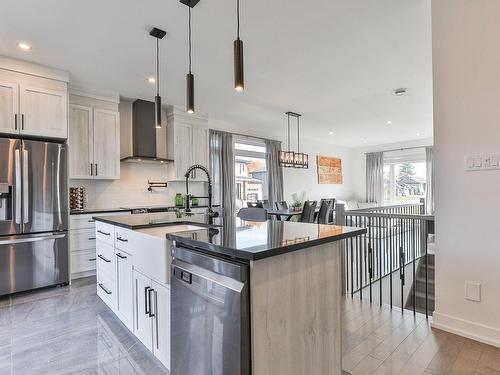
[
  {"x": 466, "y": 59},
  {"x": 306, "y": 180}
]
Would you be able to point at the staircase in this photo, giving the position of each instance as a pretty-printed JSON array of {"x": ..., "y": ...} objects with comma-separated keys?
[{"x": 419, "y": 287}]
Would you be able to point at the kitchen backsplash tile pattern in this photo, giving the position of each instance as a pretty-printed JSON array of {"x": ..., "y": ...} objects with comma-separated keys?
[{"x": 132, "y": 188}]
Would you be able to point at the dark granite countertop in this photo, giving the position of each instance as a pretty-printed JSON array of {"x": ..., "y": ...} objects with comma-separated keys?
[
  {"x": 236, "y": 238},
  {"x": 245, "y": 240},
  {"x": 160, "y": 219}
]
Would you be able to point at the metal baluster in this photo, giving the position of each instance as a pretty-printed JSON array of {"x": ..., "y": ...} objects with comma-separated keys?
[
  {"x": 360, "y": 259},
  {"x": 352, "y": 265},
  {"x": 390, "y": 260},
  {"x": 426, "y": 269},
  {"x": 414, "y": 270},
  {"x": 380, "y": 258},
  {"x": 402, "y": 266},
  {"x": 370, "y": 256}
]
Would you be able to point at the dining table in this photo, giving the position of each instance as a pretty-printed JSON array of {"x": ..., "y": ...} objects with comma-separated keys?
[{"x": 286, "y": 215}]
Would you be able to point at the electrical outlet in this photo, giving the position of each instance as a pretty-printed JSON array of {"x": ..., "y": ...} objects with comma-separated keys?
[{"x": 473, "y": 291}]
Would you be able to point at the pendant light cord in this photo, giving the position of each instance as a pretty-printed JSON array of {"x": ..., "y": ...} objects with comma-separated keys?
[
  {"x": 298, "y": 135},
  {"x": 157, "y": 67},
  {"x": 238, "y": 18},
  {"x": 189, "y": 37},
  {"x": 288, "y": 131}
]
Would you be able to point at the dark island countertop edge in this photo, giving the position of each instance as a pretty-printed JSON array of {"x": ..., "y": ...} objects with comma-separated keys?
[{"x": 219, "y": 250}]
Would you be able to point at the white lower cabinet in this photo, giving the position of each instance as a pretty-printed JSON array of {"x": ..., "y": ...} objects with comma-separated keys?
[
  {"x": 125, "y": 290},
  {"x": 141, "y": 301},
  {"x": 152, "y": 316}
]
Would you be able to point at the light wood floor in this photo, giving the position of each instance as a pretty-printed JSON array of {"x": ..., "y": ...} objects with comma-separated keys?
[{"x": 378, "y": 340}]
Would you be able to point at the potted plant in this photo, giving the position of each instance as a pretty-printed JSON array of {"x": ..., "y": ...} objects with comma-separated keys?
[{"x": 298, "y": 201}]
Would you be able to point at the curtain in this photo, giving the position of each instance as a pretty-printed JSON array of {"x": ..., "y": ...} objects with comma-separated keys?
[
  {"x": 222, "y": 169},
  {"x": 429, "y": 190},
  {"x": 274, "y": 171},
  {"x": 375, "y": 177}
]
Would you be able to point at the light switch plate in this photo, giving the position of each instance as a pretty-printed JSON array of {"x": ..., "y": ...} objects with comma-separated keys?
[{"x": 473, "y": 291}]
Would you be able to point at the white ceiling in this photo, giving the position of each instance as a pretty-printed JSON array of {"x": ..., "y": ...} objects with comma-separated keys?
[{"x": 334, "y": 61}]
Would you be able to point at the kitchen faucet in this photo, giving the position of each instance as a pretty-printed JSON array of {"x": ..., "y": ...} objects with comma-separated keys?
[{"x": 211, "y": 212}]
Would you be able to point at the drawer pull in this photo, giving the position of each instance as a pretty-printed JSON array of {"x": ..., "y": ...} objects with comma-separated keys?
[
  {"x": 121, "y": 239},
  {"x": 91, "y": 221},
  {"x": 105, "y": 289},
  {"x": 92, "y": 259},
  {"x": 119, "y": 255},
  {"x": 106, "y": 234},
  {"x": 91, "y": 238},
  {"x": 104, "y": 259}
]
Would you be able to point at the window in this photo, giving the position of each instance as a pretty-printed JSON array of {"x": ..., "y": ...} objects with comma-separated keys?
[
  {"x": 250, "y": 171},
  {"x": 404, "y": 176}
]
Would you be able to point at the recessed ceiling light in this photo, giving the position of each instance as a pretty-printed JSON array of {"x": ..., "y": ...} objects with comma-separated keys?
[
  {"x": 365, "y": 141},
  {"x": 24, "y": 46},
  {"x": 400, "y": 92},
  {"x": 418, "y": 134},
  {"x": 151, "y": 80},
  {"x": 331, "y": 133},
  {"x": 389, "y": 122}
]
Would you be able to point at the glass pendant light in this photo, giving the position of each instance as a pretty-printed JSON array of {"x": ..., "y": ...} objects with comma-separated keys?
[
  {"x": 239, "y": 79},
  {"x": 189, "y": 76},
  {"x": 158, "y": 34}
]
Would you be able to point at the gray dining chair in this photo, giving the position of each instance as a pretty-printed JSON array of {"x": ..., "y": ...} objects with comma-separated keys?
[
  {"x": 325, "y": 210},
  {"x": 281, "y": 206},
  {"x": 257, "y": 204},
  {"x": 253, "y": 214},
  {"x": 265, "y": 204},
  {"x": 308, "y": 211}
]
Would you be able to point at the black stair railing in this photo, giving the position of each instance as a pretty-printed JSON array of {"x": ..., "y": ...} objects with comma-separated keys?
[{"x": 396, "y": 242}]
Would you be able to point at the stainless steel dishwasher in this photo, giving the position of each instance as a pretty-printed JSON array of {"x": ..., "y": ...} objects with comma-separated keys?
[{"x": 210, "y": 315}]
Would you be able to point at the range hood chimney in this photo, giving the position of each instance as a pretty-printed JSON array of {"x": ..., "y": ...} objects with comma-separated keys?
[{"x": 149, "y": 144}]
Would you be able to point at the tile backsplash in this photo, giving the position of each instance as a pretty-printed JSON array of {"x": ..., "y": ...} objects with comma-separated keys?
[{"x": 132, "y": 188}]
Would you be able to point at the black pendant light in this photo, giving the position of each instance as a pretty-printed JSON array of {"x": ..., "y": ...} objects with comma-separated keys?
[
  {"x": 239, "y": 79},
  {"x": 158, "y": 34},
  {"x": 286, "y": 158},
  {"x": 189, "y": 76},
  {"x": 292, "y": 159}
]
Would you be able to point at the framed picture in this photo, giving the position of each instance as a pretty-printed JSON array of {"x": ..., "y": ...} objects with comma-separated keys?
[{"x": 329, "y": 170}]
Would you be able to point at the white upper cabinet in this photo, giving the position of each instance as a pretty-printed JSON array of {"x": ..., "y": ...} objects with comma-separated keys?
[
  {"x": 33, "y": 100},
  {"x": 94, "y": 139},
  {"x": 106, "y": 144},
  {"x": 44, "y": 112},
  {"x": 187, "y": 143},
  {"x": 9, "y": 105},
  {"x": 80, "y": 141}
]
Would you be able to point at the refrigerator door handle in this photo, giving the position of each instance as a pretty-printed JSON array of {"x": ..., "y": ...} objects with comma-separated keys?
[
  {"x": 17, "y": 161},
  {"x": 26, "y": 188},
  {"x": 32, "y": 239}
]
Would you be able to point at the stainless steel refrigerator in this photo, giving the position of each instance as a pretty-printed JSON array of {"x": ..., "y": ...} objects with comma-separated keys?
[{"x": 33, "y": 215}]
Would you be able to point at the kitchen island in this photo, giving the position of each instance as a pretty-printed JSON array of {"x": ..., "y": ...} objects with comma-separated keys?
[{"x": 246, "y": 297}]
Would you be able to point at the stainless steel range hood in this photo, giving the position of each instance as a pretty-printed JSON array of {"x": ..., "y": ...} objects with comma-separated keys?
[{"x": 149, "y": 144}]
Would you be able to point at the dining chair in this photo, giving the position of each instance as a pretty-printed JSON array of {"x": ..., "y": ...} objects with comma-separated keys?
[
  {"x": 257, "y": 204},
  {"x": 325, "y": 209},
  {"x": 281, "y": 206},
  {"x": 307, "y": 215},
  {"x": 265, "y": 204},
  {"x": 253, "y": 214}
]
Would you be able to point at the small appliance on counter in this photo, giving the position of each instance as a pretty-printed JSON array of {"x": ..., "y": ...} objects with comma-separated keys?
[{"x": 77, "y": 198}]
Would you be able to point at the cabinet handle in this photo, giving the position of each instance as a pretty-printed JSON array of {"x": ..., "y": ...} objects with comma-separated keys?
[
  {"x": 91, "y": 238},
  {"x": 121, "y": 239},
  {"x": 91, "y": 221},
  {"x": 119, "y": 255},
  {"x": 22, "y": 121},
  {"x": 92, "y": 259},
  {"x": 105, "y": 289},
  {"x": 15, "y": 121},
  {"x": 104, "y": 259},
  {"x": 96, "y": 169},
  {"x": 156, "y": 321},
  {"x": 146, "y": 303},
  {"x": 91, "y": 169},
  {"x": 151, "y": 314},
  {"x": 106, "y": 234}
]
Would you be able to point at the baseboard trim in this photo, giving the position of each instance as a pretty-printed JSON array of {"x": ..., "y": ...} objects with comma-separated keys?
[
  {"x": 79, "y": 275},
  {"x": 466, "y": 328}
]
